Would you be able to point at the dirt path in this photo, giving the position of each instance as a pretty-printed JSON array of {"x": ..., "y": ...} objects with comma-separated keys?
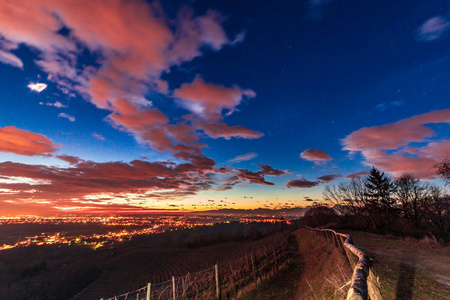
[{"x": 408, "y": 269}]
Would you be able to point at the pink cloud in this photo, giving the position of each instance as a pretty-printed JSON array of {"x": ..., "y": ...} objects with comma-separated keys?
[
  {"x": 253, "y": 177},
  {"x": 98, "y": 136},
  {"x": 86, "y": 178},
  {"x": 86, "y": 184},
  {"x": 328, "y": 178},
  {"x": 10, "y": 59},
  {"x": 134, "y": 117},
  {"x": 56, "y": 104},
  {"x": 257, "y": 177},
  {"x": 301, "y": 183},
  {"x": 433, "y": 29},
  {"x": 135, "y": 42},
  {"x": 38, "y": 27},
  {"x": 394, "y": 135},
  {"x": 22, "y": 142},
  {"x": 162, "y": 86},
  {"x": 73, "y": 160},
  {"x": 66, "y": 116},
  {"x": 269, "y": 171},
  {"x": 223, "y": 130},
  {"x": 375, "y": 142},
  {"x": 357, "y": 175},
  {"x": 208, "y": 100},
  {"x": 315, "y": 155},
  {"x": 243, "y": 157}
]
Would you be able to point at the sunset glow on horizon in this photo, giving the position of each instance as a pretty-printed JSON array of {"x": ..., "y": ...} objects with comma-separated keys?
[{"x": 135, "y": 106}]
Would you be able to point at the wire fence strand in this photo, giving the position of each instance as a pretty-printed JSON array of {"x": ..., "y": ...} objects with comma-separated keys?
[{"x": 233, "y": 276}]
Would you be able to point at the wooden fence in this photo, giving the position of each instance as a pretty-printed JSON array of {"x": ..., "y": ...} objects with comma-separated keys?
[
  {"x": 364, "y": 283},
  {"x": 223, "y": 281}
]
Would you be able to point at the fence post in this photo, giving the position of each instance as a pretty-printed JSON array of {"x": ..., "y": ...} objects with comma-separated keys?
[
  {"x": 216, "y": 267},
  {"x": 173, "y": 288},
  {"x": 149, "y": 290},
  {"x": 336, "y": 243}
]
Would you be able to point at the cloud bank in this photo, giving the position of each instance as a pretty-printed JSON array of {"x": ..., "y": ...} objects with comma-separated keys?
[
  {"x": 22, "y": 142},
  {"x": 403, "y": 146}
]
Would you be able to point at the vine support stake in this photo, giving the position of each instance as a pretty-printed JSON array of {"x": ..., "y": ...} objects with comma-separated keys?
[
  {"x": 149, "y": 291},
  {"x": 216, "y": 267},
  {"x": 173, "y": 288}
]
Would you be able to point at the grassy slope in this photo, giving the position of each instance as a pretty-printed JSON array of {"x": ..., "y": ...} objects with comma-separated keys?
[
  {"x": 408, "y": 269},
  {"x": 317, "y": 273}
]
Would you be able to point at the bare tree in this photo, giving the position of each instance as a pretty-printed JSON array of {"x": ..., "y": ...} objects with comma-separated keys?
[
  {"x": 443, "y": 170},
  {"x": 346, "y": 197},
  {"x": 414, "y": 197},
  {"x": 319, "y": 215},
  {"x": 439, "y": 213}
]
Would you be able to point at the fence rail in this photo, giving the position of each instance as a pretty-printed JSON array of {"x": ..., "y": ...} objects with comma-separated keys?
[
  {"x": 222, "y": 281},
  {"x": 364, "y": 284}
]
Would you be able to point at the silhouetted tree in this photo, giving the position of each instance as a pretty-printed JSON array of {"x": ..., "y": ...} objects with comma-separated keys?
[
  {"x": 379, "y": 201},
  {"x": 443, "y": 170},
  {"x": 414, "y": 197},
  {"x": 348, "y": 198},
  {"x": 319, "y": 215},
  {"x": 439, "y": 213}
]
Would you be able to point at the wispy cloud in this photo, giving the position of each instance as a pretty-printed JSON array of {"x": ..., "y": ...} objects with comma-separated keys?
[
  {"x": 244, "y": 157},
  {"x": 433, "y": 29},
  {"x": 10, "y": 59},
  {"x": 385, "y": 105},
  {"x": 37, "y": 87},
  {"x": 56, "y": 104},
  {"x": 68, "y": 117},
  {"x": 98, "y": 136}
]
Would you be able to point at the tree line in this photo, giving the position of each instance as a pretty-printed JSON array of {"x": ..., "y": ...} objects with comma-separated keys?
[{"x": 379, "y": 203}]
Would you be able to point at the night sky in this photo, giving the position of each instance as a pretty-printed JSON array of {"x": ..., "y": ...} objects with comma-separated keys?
[{"x": 134, "y": 106}]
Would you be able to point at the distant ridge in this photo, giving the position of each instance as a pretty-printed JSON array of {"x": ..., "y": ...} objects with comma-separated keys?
[{"x": 295, "y": 211}]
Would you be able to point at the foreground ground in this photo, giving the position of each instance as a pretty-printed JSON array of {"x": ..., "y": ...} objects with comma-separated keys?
[
  {"x": 80, "y": 272},
  {"x": 320, "y": 271},
  {"x": 407, "y": 269}
]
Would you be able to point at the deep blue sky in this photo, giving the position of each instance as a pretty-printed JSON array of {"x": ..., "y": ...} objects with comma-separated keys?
[{"x": 314, "y": 88}]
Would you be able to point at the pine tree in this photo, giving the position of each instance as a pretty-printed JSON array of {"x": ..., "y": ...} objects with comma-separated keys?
[{"x": 379, "y": 201}]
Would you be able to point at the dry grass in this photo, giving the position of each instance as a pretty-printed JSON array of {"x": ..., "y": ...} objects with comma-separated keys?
[
  {"x": 425, "y": 242},
  {"x": 326, "y": 270},
  {"x": 320, "y": 271}
]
